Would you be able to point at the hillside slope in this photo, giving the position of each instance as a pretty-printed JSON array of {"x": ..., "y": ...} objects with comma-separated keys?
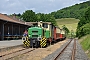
[
  {"x": 75, "y": 11},
  {"x": 70, "y": 23}
]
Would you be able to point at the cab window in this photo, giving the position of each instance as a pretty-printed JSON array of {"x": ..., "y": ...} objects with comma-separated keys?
[
  {"x": 35, "y": 24},
  {"x": 45, "y": 25}
]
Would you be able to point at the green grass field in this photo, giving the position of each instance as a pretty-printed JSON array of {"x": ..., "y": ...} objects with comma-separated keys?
[
  {"x": 85, "y": 43},
  {"x": 70, "y": 23}
]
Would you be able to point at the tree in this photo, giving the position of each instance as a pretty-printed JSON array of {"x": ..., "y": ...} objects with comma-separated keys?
[
  {"x": 15, "y": 15},
  {"x": 66, "y": 29},
  {"x": 46, "y": 18},
  {"x": 83, "y": 25},
  {"x": 29, "y": 16},
  {"x": 87, "y": 15}
]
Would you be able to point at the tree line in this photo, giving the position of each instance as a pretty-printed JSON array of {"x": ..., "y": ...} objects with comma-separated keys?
[
  {"x": 30, "y": 16},
  {"x": 83, "y": 27},
  {"x": 75, "y": 11}
]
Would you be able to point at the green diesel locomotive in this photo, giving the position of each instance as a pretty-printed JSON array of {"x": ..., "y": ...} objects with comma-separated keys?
[
  {"x": 37, "y": 35},
  {"x": 41, "y": 34}
]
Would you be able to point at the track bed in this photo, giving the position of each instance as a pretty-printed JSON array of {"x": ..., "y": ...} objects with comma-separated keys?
[{"x": 69, "y": 51}]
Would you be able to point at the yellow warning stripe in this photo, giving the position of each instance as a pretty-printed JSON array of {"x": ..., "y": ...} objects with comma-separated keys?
[
  {"x": 26, "y": 42},
  {"x": 43, "y": 42}
]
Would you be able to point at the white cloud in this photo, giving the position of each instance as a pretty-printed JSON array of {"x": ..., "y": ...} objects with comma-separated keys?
[
  {"x": 43, "y": 6},
  {"x": 52, "y": 0},
  {"x": 7, "y": 0}
]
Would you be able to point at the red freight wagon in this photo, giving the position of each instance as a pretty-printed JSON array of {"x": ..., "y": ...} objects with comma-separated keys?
[{"x": 59, "y": 34}]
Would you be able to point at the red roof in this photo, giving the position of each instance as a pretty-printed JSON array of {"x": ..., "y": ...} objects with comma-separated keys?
[{"x": 11, "y": 19}]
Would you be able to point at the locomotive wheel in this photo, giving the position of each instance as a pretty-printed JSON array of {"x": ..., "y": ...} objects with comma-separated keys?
[
  {"x": 47, "y": 44},
  {"x": 37, "y": 44}
]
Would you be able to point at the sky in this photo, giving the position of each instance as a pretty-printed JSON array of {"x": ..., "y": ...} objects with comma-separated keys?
[{"x": 38, "y": 6}]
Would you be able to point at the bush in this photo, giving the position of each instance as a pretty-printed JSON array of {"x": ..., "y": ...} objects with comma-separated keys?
[{"x": 84, "y": 30}]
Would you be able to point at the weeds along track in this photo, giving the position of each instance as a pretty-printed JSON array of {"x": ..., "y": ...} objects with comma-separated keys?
[
  {"x": 68, "y": 52},
  {"x": 14, "y": 53}
]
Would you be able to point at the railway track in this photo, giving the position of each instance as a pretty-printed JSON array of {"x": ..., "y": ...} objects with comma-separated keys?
[
  {"x": 68, "y": 52},
  {"x": 13, "y": 54}
]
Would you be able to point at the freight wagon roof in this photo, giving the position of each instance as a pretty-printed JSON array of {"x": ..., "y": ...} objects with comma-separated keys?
[
  {"x": 57, "y": 27},
  {"x": 11, "y": 19}
]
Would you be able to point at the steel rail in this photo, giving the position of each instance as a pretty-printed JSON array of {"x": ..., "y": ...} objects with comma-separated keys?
[
  {"x": 20, "y": 54},
  {"x": 17, "y": 54},
  {"x": 62, "y": 51},
  {"x": 74, "y": 50},
  {"x": 12, "y": 52}
]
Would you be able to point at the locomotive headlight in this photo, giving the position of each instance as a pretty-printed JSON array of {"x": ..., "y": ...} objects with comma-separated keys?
[
  {"x": 39, "y": 38},
  {"x": 40, "y": 35},
  {"x": 29, "y": 35}
]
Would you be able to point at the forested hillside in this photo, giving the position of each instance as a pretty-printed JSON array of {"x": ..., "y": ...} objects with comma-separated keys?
[
  {"x": 75, "y": 11},
  {"x": 84, "y": 24}
]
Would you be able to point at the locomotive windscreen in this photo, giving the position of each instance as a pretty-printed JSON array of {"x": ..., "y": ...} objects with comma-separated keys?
[{"x": 45, "y": 25}]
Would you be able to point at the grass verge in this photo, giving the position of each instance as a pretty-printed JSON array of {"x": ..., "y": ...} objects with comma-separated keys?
[{"x": 85, "y": 43}]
